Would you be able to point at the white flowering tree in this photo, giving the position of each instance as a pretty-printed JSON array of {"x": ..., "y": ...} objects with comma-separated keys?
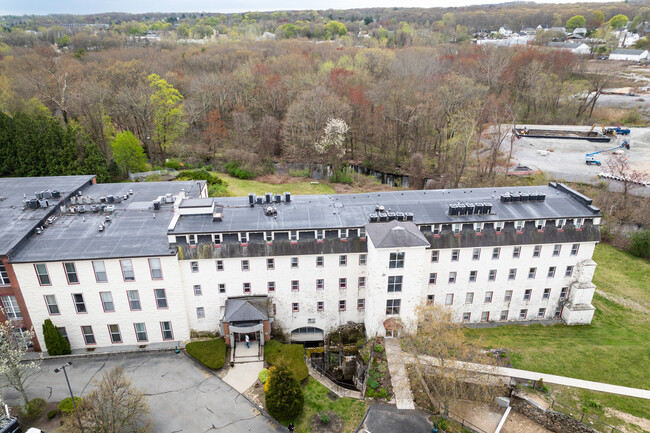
[
  {"x": 13, "y": 345},
  {"x": 330, "y": 145}
]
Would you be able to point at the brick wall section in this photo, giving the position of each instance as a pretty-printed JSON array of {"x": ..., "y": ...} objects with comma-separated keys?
[
  {"x": 226, "y": 332},
  {"x": 267, "y": 330},
  {"x": 554, "y": 421},
  {"x": 13, "y": 289}
]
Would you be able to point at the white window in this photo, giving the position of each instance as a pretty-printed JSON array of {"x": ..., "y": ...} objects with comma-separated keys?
[
  {"x": 556, "y": 250},
  {"x": 100, "y": 271},
  {"x": 222, "y": 287},
  {"x": 393, "y": 305},
  {"x": 166, "y": 329},
  {"x": 541, "y": 313},
  {"x": 63, "y": 332},
  {"x": 52, "y": 306},
  {"x": 449, "y": 299},
  {"x": 455, "y": 255},
  {"x": 295, "y": 285},
  {"x": 485, "y": 316},
  {"x": 4, "y": 276},
  {"x": 466, "y": 317},
  {"x": 578, "y": 223},
  {"x": 293, "y": 235},
  {"x": 342, "y": 305},
  {"x": 343, "y": 283},
  {"x": 434, "y": 255},
  {"x": 563, "y": 292},
  {"x": 551, "y": 272},
  {"x": 546, "y": 294},
  {"x": 319, "y": 235},
  {"x": 362, "y": 259},
  {"x": 243, "y": 238},
  {"x": 537, "y": 251},
  {"x": 89, "y": 337},
  {"x": 512, "y": 274},
  {"x": 294, "y": 262},
  {"x": 107, "y": 301},
  {"x": 558, "y": 312},
  {"x": 134, "y": 300},
  {"x": 362, "y": 233},
  {"x": 246, "y": 287},
  {"x": 127, "y": 270},
  {"x": 343, "y": 233},
  {"x": 270, "y": 264},
  {"x": 140, "y": 332},
  {"x": 320, "y": 306},
  {"x": 295, "y": 307},
  {"x": 270, "y": 286},
  {"x": 396, "y": 261},
  {"x": 114, "y": 331},
  {"x": 531, "y": 273},
  {"x": 361, "y": 282},
  {"x": 395, "y": 283},
  {"x": 539, "y": 224},
  {"x": 472, "y": 276},
  {"x": 216, "y": 238},
  {"x": 219, "y": 265},
  {"x": 161, "y": 298},
  {"x": 478, "y": 227},
  {"x": 498, "y": 226},
  {"x": 200, "y": 312},
  {"x": 343, "y": 260},
  {"x": 320, "y": 284},
  {"x": 569, "y": 271},
  {"x": 194, "y": 266},
  {"x": 488, "y": 297},
  {"x": 527, "y": 294},
  {"x": 469, "y": 298},
  {"x": 476, "y": 254},
  {"x": 574, "y": 249},
  {"x": 268, "y": 236},
  {"x": 192, "y": 239},
  {"x": 508, "y": 296},
  {"x": 79, "y": 303},
  {"x": 519, "y": 225},
  {"x": 559, "y": 223},
  {"x": 433, "y": 277},
  {"x": 320, "y": 260},
  {"x": 516, "y": 252},
  {"x": 436, "y": 229},
  {"x": 197, "y": 290},
  {"x": 245, "y": 265},
  {"x": 523, "y": 313},
  {"x": 10, "y": 305},
  {"x": 493, "y": 275},
  {"x": 41, "y": 273},
  {"x": 361, "y": 304},
  {"x": 456, "y": 228},
  {"x": 452, "y": 277},
  {"x": 496, "y": 252},
  {"x": 71, "y": 273},
  {"x": 504, "y": 315},
  {"x": 156, "y": 269}
]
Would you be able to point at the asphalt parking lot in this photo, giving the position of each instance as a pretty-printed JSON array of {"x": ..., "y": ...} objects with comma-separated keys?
[{"x": 182, "y": 396}]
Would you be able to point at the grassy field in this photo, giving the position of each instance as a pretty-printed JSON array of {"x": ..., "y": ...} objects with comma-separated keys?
[
  {"x": 348, "y": 410},
  {"x": 241, "y": 187},
  {"x": 615, "y": 348}
]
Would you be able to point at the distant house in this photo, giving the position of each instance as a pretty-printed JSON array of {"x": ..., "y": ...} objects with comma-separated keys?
[
  {"x": 574, "y": 37},
  {"x": 505, "y": 31},
  {"x": 627, "y": 39},
  {"x": 629, "y": 55},
  {"x": 269, "y": 36},
  {"x": 528, "y": 31},
  {"x": 575, "y": 47},
  {"x": 506, "y": 42},
  {"x": 580, "y": 31},
  {"x": 558, "y": 29}
]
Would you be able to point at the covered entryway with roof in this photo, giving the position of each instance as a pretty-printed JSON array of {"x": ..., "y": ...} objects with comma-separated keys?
[{"x": 246, "y": 317}]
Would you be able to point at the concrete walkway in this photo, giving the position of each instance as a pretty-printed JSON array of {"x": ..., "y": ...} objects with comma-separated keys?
[
  {"x": 398, "y": 376},
  {"x": 340, "y": 391},
  {"x": 243, "y": 376}
]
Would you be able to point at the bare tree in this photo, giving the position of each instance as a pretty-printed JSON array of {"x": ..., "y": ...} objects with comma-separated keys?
[
  {"x": 270, "y": 130},
  {"x": 630, "y": 179},
  {"x": 115, "y": 406},
  {"x": 416, "y": 171}
]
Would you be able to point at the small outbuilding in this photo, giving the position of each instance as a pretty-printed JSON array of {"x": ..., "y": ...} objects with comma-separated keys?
[{"x": 629, "y": 55}]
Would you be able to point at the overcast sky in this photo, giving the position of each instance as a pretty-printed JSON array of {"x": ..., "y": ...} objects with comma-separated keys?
[{"x": 44, "y": 7}]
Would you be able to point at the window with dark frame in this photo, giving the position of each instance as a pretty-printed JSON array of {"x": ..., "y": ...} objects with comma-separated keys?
[
  {"x": 134, "y": 300},
  {"x": 270, "y": 286},
  {"x": 294, "y": 262},
  {"x": 320, "y": 261},
  {"x": 222, "y": 288},
  {"x": 295, "y": 285},
  {"x": 396, "y": 261},
  {"x": 531, "y": 273},
  {"x": 245, "y": 265},
  {"x": 433, "y": 276},
  {"x": 79, "y": 304},
  {"x": 42, "y": 274},
  {"x": 107, "y": 302},
  {"x": 100, "y": 271},
  {"x": 4, "y": 276},
  {"x": 89, "y": 336},
  {"x": 219, "y": 265},
  {"x": 393, "y": 306},
  {"x": 161, "y": 298},
  {"x": 71, "y": 273},
  {"x": 194, "y": 266},
  {"x": 197, "y": 290},
  {"x": 472, "y": 276},
  {"x": 200, "y": 312},
  {"x": 127, "y": 270},
  {"x": 295, "y": 307},
  {"x": 270, "y": 264},
  {"x": 343, "y": 283},
  {"x": 394, "y": 283},
  {"x": 320, "y": 306},
  {"x": 320, "y": 284},
  {"x": 114, "y": 331},
  {"x": 246, "y": 287},
  {"x": 342, "y": 305},
  {"x": 52, "y": 306}
]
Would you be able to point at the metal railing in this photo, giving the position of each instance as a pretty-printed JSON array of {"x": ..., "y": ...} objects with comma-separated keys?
[
  {"x": 322, "y": 372},
  {"x": 463, "y": 423}
]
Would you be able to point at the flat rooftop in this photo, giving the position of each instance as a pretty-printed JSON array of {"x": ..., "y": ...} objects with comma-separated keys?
[
  {"x": 135, "y": 228},
  {"x": 305, "y": 212},
  {"x": 16, "y": 223}
]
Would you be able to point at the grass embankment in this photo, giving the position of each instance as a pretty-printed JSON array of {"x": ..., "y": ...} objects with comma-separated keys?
[
  {"x": 614, "y": 349},
  {"x": 211, "y": 353},
  {"x": 243, "y": 187},
  {"x": 292, "y": 355}
]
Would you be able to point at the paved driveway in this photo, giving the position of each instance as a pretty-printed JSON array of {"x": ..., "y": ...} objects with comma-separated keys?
[
  {"x": 382, "y": 418},
  {"x": 182, "y": 397}
]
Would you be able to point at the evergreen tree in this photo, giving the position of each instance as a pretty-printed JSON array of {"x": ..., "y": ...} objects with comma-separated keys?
[
  {"x": 284, "y": 399},
  {"x": 55, "y": 343}
]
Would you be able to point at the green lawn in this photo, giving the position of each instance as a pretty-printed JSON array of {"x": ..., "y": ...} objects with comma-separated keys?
[
  {"x": 615, "y": 348},
  {"x": 241, "y": 187},
  {"x": 292, "y": 355},
  {"x": 211, "y": 353},
  {"x": 349, "y": 410}
]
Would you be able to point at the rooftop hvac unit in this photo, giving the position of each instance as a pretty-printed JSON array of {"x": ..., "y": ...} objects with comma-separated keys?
[
  {"x": 532, "y": 196},
  {"x": 73, "y": 199},
  {"x": 56, "y": 193},
  {"x": 81, "y": 209},
  {"x": 110, "y": 199},
  {"x": 505, "y": 198},
  {"x": 169, "y": 198},
  {"x": 524, "y": 196},
  {"x": 131, "y": 192},
  {"x": 287, "y": 197},
  {"x": 108, "y": 218},
  {"x": 409, "y": 216},
  {"x": 278, "y": 198},
  {"x": 126, "y": 197},
  {"x": 478, "y": 208},
  {"x": 38, "y": 195},
  {"x": 541, "y": 196},
  {"x": 93, "y": 209},
  {"x": 43, "y": 203},
  {"x": 515, "y": 197},
  {"x": 251, "y": 199},
  {"x": 383, "y": 217},
  {"x": 102, "y": 207},
  {"x": 102, "y": 199},
  {"x": 487, "y": 208},
  {"x": 391, "y": 216},
  {"x": 47, "y": 194},
  {"x": 118, "y": 199},
  {"x": 453, "y": 209},
  {"x": 470, "y": 208},
  {"x": 260, "y": 200},
  {"x": 270, "y": 211},
  {"x": 63, "y": 208},
  {"x": 267, "y": 197},
  {"x": 381, "y": 209},
  {"x": 400, "y": 216},
  {"x": 33, "y": 203},
  {"x": 374, "y": 217},
  {"x": 462, "y": 209},
  {"x": 156, "y": 205},
  {"x": 101, "y": 227},
  {"x": 217, "y": 216},
  {"x": 111, "y": 208}
]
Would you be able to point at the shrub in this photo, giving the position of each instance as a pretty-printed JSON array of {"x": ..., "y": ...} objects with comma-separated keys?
[
  {"x": 51, "y": 414},
  {"x": 211, "y": 353},
  {"x": 55, "y": 343},
  {"x": 235, "y": 170},
  {"x": 284, "y": 399},
  {"x": 372, "y": 383},
  {"x": 379, "y": 348},
  {"x": 66, "y": 405},
  {"x": 299, "y": 173},
  {"x": 324, "y": 418},
  {"x": 264, "y": 375},
  {"x": 33, "y": 408},
  {"x": 291, "y": 355},
  {"x": 201, "y": 174},
  {"x": 342, "y": 176},
  {"x": 640, "y": 243},
  {"x": 382, "y": 393},
  {"x": 632, "y": 118},
  {"x": 173, "y": 163},
  {"x": 218, "y": 191}
]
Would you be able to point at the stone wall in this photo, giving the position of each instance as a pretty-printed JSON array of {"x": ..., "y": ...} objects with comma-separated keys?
[{"x": 554, "y": 421}]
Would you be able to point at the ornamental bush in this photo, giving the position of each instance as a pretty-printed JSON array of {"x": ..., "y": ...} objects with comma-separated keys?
[
  {"x": 55, "y": 343},
  {"x": 66, "y": 405},
  {"x": 284, "y": 399},
  {"x": 33, "y": 409},
  {"x": 264, "y": 375}
]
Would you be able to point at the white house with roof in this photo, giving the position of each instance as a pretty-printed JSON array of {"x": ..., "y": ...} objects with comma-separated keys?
[
  {"x": 629, "y": 55},
  {"x": 505, "y": 31},
  {"x": 578, "y": 48}
]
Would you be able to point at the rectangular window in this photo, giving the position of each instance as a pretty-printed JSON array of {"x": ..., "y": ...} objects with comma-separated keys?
[
  {"x": 295, "y": 307},
  {"x": 472, "y": 276},
  {"x": 519, "y": 225},
  {"x": 245, "y": 265},
  {"x": 319, "y": 235},
  {"x": 246, "y": 287},
  {"x": 527, "y": 294},
  {"x": 194, "y": 266},
  {"x": 134, "y": 300},
  {"x": 537, "y": 251},
  {"x": 556, "y": 250},
  {"x": 476, "y": 254},
  {"x": 362, "y": 233},
  {"x": 268, "y": 236},
  {"x": 361, "y": 304},
  {"x": 395, "y": 283},
  {"x": 320, "y": 284},
  {"x": 469, "y": 298},
  {"x": 433, "y": 277},
  {"x": 508, "y": 296},
  {"x": 127, "y": 270},
  {"x": 569, "y": 272},
  {"x": 219, "y": 265},
  {"x": 430, "y": 299},
  {"x": 455, "y": 255},
  {"x": 516, "y": 252},
  {"x": 293, "y": 235},
  {"x": 161, "y": 298},
  {"x": 100, "y": 271},
  {"x": 531, "y": 273},
  {"x": 295, "y": 285},
  {"x": 449, "y": 299},
  {"x": 504, "y": 315},
  {"x": 294, "y": 262},
  {"x": 488, "y": 297},
  {"x": 270, "y": 264},
  {"x": 343, "y": 233},
  {"x": 496, "y": 252},
  {"x": 485, "y": 316},
  {"x": 563, "y": 292},
  {"x": 107, "y": 301},
  {"x": 452, "y": 277},
  {"x": 156, "y": 269},
  {"x": 320, "y": 261},
  {"x": 467, "y": 317},
  {"x": 396, "y": 261},
  {"x": 392, "y": 306},
  {"x": 222, "y": 287},
  {"x": 166, "y": 329},
  {"x": 574, "y": 249},
  {"x": 512, "y": 274},
  {"x": 456, "y": 228},
  {"x": 342, "y": 305},
  {"x": 243, "y": 237},
  {"x": 551, "y": 272},
  {"x": 539, "y": 224},
  {"x": 4, "y": 277},
  {"x": 343, "y": 260},
  {"x": 79, "y": 303},
  {"x": 559, "y": 223},
  {"x": 63, "y": 332},
  {"x": 217, "y": 239},
  {"x": 89, "y": 337},
  {"x": 71, "y": 273},
  {"x": 343, "y": 283},
  {"x": 434, "y": 256},
  {"x": 362, "y": 259},
  {"x": 320, "y": 306},
  {"x": 523, "y": 313},
  {"x": 43, "y": 276},
  {"x": 140, "y": 332},
  {"x": 362, "y": 282},
  {"x": 546, "y": 294},
  {"x": 541, "y": 313},
  {"x": 10, "y": 305},
  {"x": 114, "y": 331},
  {"x": 493, "y": 275},
  {"x": 558, "y": 312},
  {"x": 52, "y": 306},
  {"x": 200, "y": 312},
  {"x": 478, "y": 227},
  {"x": 270, "y": 286},
  {"x": 578, "y": 223}
]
